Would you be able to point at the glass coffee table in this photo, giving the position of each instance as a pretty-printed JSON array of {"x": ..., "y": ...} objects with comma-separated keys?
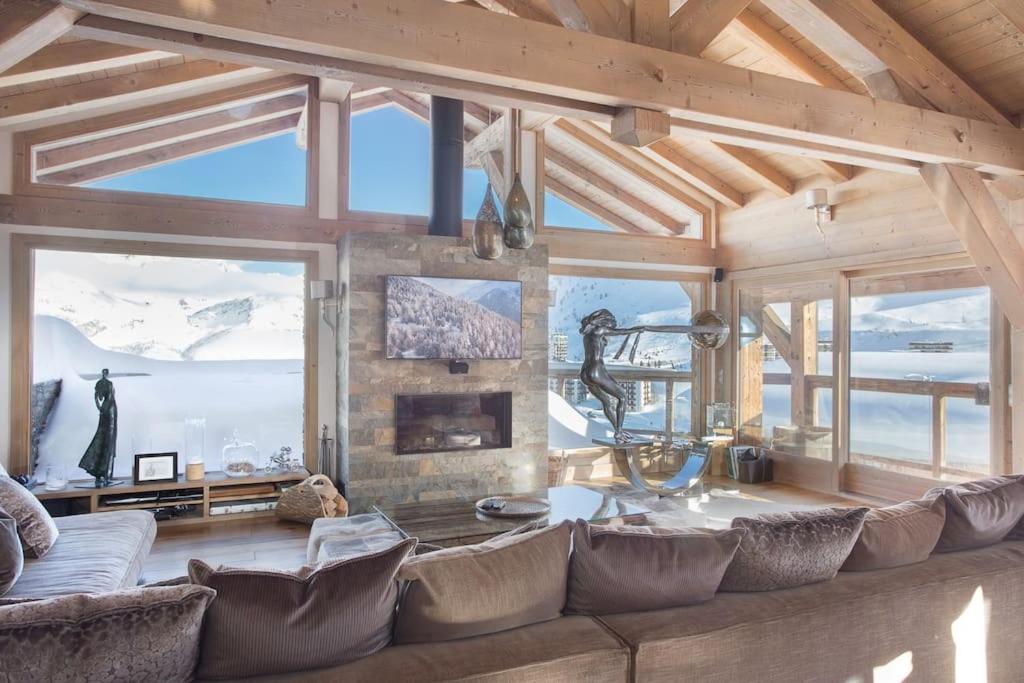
[{"x": 457, "y": 522}]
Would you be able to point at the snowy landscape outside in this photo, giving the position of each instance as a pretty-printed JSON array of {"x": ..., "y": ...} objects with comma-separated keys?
[{"x": 183, "y": 338}]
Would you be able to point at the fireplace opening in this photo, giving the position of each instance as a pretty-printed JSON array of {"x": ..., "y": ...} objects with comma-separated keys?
[{"x": 431, "y": 423}]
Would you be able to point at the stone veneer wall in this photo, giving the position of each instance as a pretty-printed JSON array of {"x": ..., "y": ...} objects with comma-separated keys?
[{"x": 368, "y": 384}]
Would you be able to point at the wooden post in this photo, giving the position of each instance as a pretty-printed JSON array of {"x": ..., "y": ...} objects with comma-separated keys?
[
  {"x": 1001, "y": 427},
  {"x": 751, "y": 372},
  {"x": 938, "y": 435},
  {"x": 803, "y": 360},
  {"x": 840, "y": 379}
]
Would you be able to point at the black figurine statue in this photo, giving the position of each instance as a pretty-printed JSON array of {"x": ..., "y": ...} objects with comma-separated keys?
[
  {"x": 99, "y": 456},
  {"x": 708, "y": 330}
]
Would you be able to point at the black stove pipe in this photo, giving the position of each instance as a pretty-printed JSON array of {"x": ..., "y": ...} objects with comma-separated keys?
[{"x": 445, "y": 167}]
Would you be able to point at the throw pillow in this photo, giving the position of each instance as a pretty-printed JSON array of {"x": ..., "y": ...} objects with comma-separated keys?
[
  {"x": 898, "y": 535},
  {"x": 635, "y": 569},
  {"x": 12, "y": 559},
  {"x": 980, "y": 513},
  {"x": 140, "y": 634},
  {"x": 270, "y": 622},
  {"x": 35, "y": 526},
  {"x": 484, "y": 588},
  {"x": 789, "y": 549}
]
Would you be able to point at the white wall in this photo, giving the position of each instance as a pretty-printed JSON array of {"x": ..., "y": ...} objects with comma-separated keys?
[{"x": 328, "y": 265}]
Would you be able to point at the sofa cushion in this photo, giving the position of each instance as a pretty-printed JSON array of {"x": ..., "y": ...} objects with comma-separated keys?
[
  {"x": 95, "y": 553},
  {"x": 35, "y": 526},
  {"x": 980, "y": 513},
  {"x": 787, "y": 549},
  {"x": 862, "y": 626},
  {"x": 142, "y": 634},
  {"x": 897, "y": 535},
  {"x": 631, "y": 569},
  {"x": 12, "y": 559},
  {"x": 485, "y": 588},
  {"x": 568, "y": 649},
  {"x": 269, "y": 621}
]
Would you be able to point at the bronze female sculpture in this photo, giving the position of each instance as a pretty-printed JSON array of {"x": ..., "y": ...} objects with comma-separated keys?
[
  {"x": 708, "y": 330},
  {"x": 99, "y": 456}
]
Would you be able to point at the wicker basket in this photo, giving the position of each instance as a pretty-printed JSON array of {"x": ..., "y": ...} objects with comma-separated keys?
[
  {"x": 556, "y": 469},
  {"x": 313, "y": 498}
]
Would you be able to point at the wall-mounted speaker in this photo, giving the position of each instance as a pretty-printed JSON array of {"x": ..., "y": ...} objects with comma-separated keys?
[
  {"x": 458, "y": 367},
  {"x": 719, "y": 274}
]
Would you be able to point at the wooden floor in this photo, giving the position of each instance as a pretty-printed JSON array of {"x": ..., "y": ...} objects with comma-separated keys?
[{"x": 282, "y": 545}]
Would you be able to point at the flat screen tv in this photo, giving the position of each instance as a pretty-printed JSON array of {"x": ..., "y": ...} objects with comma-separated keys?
[{"x": 450, "y": 318}]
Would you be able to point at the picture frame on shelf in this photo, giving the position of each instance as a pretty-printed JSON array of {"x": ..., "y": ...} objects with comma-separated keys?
[{"x": 155, "y": 468}]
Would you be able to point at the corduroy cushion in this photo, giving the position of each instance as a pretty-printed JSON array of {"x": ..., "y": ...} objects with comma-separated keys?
[
  {"x": 35, "y": 526},
  {"x": 789, "y": 549},
  {"x": 12, "y": 560},
  {"x": 898, "y": 535},
  {"x": 636, "y": 569},
  {"x": 140, "y": 634},
  {"x": 484, "y": 588},
  {"x": 267, "y": 621},
  {"x": 979, "y": 513}
]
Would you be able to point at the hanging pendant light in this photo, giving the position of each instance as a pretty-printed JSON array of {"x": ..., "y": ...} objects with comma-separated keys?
[
  {"x": 519, "y": 229},
  {"x": 488, "y": 232}
]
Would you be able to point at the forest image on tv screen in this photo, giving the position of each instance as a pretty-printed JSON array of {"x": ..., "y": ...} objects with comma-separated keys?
[{"x": 449, "y": 318}]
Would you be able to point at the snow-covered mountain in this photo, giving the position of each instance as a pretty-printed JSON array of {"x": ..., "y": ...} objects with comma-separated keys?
[{"x": 171, "y": 326}]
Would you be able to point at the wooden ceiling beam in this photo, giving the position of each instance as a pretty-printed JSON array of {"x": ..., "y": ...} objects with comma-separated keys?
[
  {"x": 612, "y": 190},
  {"x": 594, "y": 75},
  {"x": 177, "y": 151},
  {"x": 121, "y": 89},
  {"x": 27, "y": 26},
  {"x": 370, "y": 103},
  {"x": 865, "y": 41},
  {"x": 775, "y": 143},
  {"x": 609, "y": 18},
  {"x": 651, "y": 24},
  {"x": 586, "y": 205},
  {"x": 698, "y": 22},
  {"x": 753, "y": 30},
  {"x": 1012, "y": 11},
  {"x": 759, "y": 170},
  {"x": 534, "y": 10},
  {"x": 630, "y": 160},
  {"x": 53, "y": 159},
  {"x": 985, "y": 233},
  {"x": 640, "y": 127},
  {"x": 409, "y": 104},
  {"x": 697, "y": 175},
  {"x": 333, "y": 90},
  {"x": 59, "y": 60}
]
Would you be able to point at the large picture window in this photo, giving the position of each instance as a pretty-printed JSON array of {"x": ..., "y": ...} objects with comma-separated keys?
[
  {"x": 919, "y": 373},
  {"x": 196, "y": 347},
  {"x": 659, "y": 384}
]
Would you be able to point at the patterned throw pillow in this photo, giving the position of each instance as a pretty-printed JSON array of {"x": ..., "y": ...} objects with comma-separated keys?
[
  {"x": 35, "y": 526},
  {"x": 790, "y": 549},
  {"x": 140, "y": 634},
  {"x": 636, "y": 569},
  {"x": 266, "y": 621},
  {"x": 11, "y": 558}
]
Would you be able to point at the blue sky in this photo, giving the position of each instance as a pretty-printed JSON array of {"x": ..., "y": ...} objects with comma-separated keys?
[{"x": 390, "y": 173}]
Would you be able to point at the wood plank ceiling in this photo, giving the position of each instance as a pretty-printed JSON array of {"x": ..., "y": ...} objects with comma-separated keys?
[{"x": 972, "y": 53}]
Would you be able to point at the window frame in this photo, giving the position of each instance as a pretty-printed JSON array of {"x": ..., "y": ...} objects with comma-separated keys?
[
  {"x": 25, "y": 141},
  {"x": 23, "y": 246},
  {"x": 702, "y": 378},
  {"x": 841, "y": 475}
]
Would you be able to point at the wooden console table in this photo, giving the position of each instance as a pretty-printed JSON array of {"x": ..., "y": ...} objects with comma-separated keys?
[{"x": 215, "y": 489}]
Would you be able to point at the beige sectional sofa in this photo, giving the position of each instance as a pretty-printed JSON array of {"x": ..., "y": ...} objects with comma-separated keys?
[
  {"x": 94, "y": 553},
  {"x": 848, "y": 629}
]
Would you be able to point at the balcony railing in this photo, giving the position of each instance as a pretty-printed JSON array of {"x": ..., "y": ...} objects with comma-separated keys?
[
  {"x": 938, "y": 391},
  {"x": 563, "y": 372}
]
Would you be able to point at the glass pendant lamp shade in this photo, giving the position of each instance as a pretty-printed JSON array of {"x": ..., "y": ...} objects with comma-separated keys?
[
  {"x": 488, "y": 232},
  {"x": 519, "y": 230}
]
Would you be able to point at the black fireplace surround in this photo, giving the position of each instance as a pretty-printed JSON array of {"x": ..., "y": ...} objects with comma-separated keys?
[{"x": 435, "y": 423}]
